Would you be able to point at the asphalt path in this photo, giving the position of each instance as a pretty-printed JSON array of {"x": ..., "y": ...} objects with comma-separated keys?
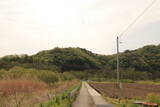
[
  {"x": 89, "y": 97},
  {"x": 84, "y": 99}
]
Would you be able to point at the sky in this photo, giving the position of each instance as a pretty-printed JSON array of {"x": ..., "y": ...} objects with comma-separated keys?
[{"x": 29, "y": 26}]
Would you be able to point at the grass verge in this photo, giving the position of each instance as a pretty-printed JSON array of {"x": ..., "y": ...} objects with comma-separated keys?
[{"x": 64, "y": 99}]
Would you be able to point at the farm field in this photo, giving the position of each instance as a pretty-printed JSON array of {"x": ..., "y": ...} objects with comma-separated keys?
[{"x": 130, "y": 90}]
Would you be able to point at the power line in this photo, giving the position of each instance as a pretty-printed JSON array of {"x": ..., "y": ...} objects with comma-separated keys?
[
  {"x": 130, "y": 25},
  {"x": 143, "y": 12}
]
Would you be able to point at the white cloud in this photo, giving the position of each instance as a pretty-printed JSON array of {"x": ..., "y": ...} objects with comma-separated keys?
[{"x": 28, "y": 26}]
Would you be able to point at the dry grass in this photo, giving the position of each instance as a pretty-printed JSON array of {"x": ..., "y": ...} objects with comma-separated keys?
[
  {"x": 61, "y": 86},
  {"x": 21, "y": 93},
  {"x": 10, "y": 87},
  {"x": 14, "y": 92}
]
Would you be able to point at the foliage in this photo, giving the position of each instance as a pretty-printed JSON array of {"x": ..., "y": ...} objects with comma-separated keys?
[
  {"x": 68, "y": 59},
  {"x": 143, "y": 59},
  {"x": 19, "y": 85},
  {"x": 2, "y": 73},
  {"x": 46, "y": 76},
  {"x": 105, "y": 75},
  {"x": 139, "y": 64},
  {"x": 68, "y": 76},
  {"x": 62, "y": 100}
]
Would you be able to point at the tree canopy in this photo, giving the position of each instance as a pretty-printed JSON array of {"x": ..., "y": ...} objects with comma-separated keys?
[{"x": 143, "y": 59}]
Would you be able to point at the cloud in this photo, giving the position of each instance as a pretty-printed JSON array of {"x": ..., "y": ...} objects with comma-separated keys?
[
  {"x": 28, "y": 26},
  {"x": 143, "y": 35}
]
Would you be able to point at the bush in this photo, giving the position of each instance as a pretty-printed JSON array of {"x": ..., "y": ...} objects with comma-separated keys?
[
  {"x": 67, "y": 76},
  {"x": 2, "y": 73},
  {"x": 48, "y": 77},
  {"x": 21, "y": 73},
  {"x": 16, "y": 73},
  {"x": 134, "y": 105}
]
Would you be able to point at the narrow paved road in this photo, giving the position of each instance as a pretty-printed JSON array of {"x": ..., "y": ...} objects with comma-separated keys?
[
  {"x": 84, "y": 99},
  {"x": 98, "y": 100},
  {"x": 89, "y": 97}
]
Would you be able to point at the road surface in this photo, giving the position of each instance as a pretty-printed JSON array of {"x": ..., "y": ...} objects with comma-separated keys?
[
  {"x": 89, "y": 97},
  {"x": 84, "y": 99}
]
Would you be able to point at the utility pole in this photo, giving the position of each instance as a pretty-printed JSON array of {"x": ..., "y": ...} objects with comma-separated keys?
[
  {"x": 119, "y": 85},
  {"x": 118, "y": 77}
]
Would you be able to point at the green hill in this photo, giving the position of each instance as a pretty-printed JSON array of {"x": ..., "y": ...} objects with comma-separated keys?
[
  {"x": 69, "y": 58},
  {"x": 142, "y": 59},
  {"x": 78, "y": 59},
  {"x": 62, "y": 59}
]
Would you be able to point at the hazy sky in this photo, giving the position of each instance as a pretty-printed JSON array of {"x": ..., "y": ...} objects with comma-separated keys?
[{"x": 28, "y": 26}]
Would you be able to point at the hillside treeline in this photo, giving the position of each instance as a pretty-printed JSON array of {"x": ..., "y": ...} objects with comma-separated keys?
[
  {"x": 61, "y": 59},
  {"x": 142, "y": 63}
]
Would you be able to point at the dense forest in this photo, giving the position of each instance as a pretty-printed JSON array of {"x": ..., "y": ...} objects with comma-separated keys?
[
  {"x": 61, "y": 59},
  {"x": 142, "y": 63}
]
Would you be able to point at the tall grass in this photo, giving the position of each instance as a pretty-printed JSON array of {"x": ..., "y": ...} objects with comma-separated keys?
[
  {"x": 20, "y": 87},
  {"x": 46, "y": 76},
  {"x": 14, "y": 92},
  {"x": 65, "y": 99}
]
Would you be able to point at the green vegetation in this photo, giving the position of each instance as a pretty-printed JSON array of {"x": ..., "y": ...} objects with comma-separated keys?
[
  {"x": 146, "y": 59},
  {"x": 20, "y": 85},
  {"x": 46, "y": 76},
  {"x": 154, "y": 98},
  {"x": 52, "y": 71},
  {"x": 140, "y": 64},
  {"x": 64, "y": 99},
  {"x": 61, "y": 59}
]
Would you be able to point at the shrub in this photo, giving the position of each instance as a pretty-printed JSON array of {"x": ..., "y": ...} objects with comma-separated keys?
[
  {"x": 67, "y": 76},
  {"x": 48, "y": 77},
  {"x": 15, "y": 73},
  {"x": 134, "y": 105},
  {"x": 2, "y": 73},
  {"x": 31, "y": 74},
  {"x": 21, "y": 73}
]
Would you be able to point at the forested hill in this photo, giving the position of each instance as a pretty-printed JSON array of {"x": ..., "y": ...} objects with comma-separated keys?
[
  {"x": 142, "y": 59},
  {"x": 72, "y": 58},
  {"x": 66, "y": 59},
  {"x": 61, "y": 59}
]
